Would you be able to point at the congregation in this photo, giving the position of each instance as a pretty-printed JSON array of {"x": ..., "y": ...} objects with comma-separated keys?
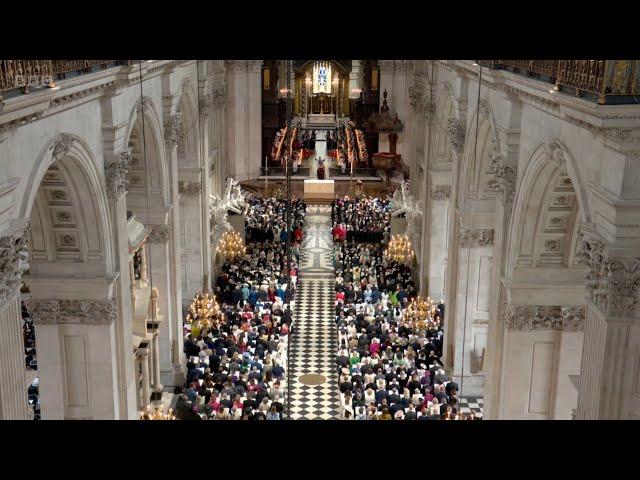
[
  {"x": 237, "y": 367},
  {"x": 388, "y": 368},
  {"x": 366, "y": 219},
  {"x": 266, "y": 219}
]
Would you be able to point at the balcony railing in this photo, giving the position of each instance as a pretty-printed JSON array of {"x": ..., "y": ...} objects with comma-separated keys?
[
  {"x": 24, "y": 74},
  {"x": 606, "y": 81}
]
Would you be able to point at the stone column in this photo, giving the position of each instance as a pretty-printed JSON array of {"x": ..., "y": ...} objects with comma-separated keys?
[
  {"x": 456, "y": 136},
  {"x": 157, "y": 386},
  {"x": 146, "y": 392},
  {"x": 609, "y": 374},
  {"x": 192, "y": 246},
  {"x": 77, "y": 357},
  {"x": 386, "y": 83},
  {"x": 115, "y": 182},
  {"x": 254, "y": 110},
  {"x": 472, "y": 299},
  {"x": 433, "y": 266},
  {"x": 540, "y": 356},
  {"x": 13, "y": 380},
  {"x": 160, "y": 260}
]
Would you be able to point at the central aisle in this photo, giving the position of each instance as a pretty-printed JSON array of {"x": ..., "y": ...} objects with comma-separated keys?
[{"x": 314, "y": 387}]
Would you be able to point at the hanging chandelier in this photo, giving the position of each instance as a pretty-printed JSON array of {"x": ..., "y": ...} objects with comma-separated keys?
[
  {"x": 156, "y": 414},
  {"x": 231, "y": 245},
  {"x": 399, "y": 249},
  {"x": 421, "y": 315},
  {"x": 205, "y": 312}
]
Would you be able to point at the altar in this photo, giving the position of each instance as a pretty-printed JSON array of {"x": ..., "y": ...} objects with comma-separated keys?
[
  {"x": 319, "y": 191},
  {"x": 316, "y": 120}
]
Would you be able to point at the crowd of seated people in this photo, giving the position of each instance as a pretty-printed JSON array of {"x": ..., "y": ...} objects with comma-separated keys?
[
  {"x": 266, "y": 219},
  {"x": 237, "y": 370},
  {"x": 388, "y": 370},
  {"x": 366, "y": 219}
]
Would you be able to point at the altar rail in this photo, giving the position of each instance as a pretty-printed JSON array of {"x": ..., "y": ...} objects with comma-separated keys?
[
  {"x": 357, "y": 172},
  {"x": 23, "y": 74},
  {"x": 280, "y": 171},
  {"x": 606, "y": 81}
]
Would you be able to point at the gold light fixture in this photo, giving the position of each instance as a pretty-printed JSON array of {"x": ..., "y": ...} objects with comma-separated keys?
[
  {"x": 231, "y": 245},
  {"x": 156, "y": 413},
  {"x": 205, "y": 312},
  {"x": 421, "y": 315},
  {"x": 399, "y": 249}
]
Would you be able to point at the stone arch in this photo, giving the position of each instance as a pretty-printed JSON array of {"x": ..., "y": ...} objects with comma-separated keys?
[
  {"x": 66, "y": 201},
  {"x": 477, "y": 178},
  {"x": 549, "y": 205},
  {"x": 143, "y": 183}
]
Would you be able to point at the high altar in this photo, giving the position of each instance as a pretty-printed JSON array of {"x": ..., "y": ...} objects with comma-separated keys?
[{"x": 322, "y": 92}]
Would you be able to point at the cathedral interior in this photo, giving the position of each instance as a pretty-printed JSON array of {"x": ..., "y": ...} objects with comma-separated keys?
[{"x": 319, "y": 239}]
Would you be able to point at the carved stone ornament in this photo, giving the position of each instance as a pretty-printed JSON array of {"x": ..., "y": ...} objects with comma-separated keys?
[
  {"x": 85, "y": 312},
  {"x": 206, "y": 102},
  {"x": 62, "y": 146},
  {"x": 482, "y": 237},
  {"x": 456, "y": 131},
  {"x": 116, "y": 175},
  {"x": 173, "y": 129},
  {"x": 613, "y": 285},
  {"x": 506, "y": 176},
  {"x": 440, "y": 192},
  {"x": 189, "y": 188},
  {"x": 484, "y": 109},
  {"x": 420, "y": 103},
  {"x": 13, "y": 261},
  {"x": 556, "y": 152},
  {"x": 143, "y": 104},
  {"x": 542, "y": 317},
  {"x": 159, "y": 234},
  {"x": 219, "y": 97}
]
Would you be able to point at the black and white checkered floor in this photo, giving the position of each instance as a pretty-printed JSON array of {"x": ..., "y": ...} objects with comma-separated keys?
[
  {"x": 314, "y": 340},
  {"x": 471, "y": 404}
]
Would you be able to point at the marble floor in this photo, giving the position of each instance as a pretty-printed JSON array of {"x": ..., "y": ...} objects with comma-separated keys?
[{"x": 313, "y": 380}]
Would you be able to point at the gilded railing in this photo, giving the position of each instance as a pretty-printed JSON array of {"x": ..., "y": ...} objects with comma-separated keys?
[
  {"x": 611, "y": 81},
  {"x": 26, "y": 73}
]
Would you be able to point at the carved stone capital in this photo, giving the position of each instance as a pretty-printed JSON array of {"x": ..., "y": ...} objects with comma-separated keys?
[
  {"x": 173, "y": 130},
  {"x": 482, "y": 237},
  {"x": 456, "y": 130},
  {"x": 85, "y": 312},
  {"x": 440, "y": 192},
  {"x": 189, "y": 188},
  {"x": 254, "y": 65},
  {"x": 236, "y": 65},
  {"x": 613, "y": 284},
  {"x": 13, "y": 261},
  {"x": 159, "y": 233},
  {"x": 62, "y": 146},
  {"x": 543, "y": 317},
  {"x": 116, "y": 173},
  {"x": 386, "y": 66}
]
